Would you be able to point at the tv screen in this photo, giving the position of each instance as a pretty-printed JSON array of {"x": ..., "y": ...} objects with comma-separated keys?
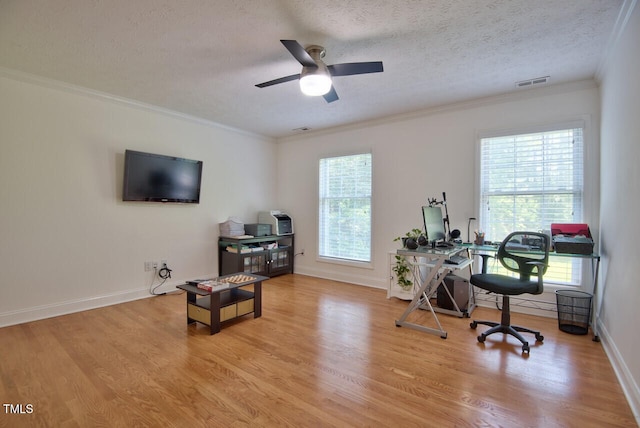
[{"x": 158, "y": 178}]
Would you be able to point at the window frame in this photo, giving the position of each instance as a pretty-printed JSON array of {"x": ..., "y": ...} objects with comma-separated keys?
[{"x": 582, "y": 275}]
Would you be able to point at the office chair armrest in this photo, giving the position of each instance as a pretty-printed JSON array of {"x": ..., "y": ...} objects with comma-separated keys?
[
  {"x": 485, "y": 257},
  {"x": 540, "y": 270},
  {"x": 539, "y": 264}
]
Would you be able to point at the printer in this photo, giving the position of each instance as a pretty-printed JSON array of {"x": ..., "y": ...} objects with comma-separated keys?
[{"x": 280, "y": 222}]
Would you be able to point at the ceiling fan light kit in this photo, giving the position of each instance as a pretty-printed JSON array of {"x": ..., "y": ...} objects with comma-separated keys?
[
  {"x": 314, "y": 83},
  {"x": 315, "y": 78}
]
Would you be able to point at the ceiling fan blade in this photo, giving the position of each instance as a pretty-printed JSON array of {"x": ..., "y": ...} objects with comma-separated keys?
[
  {"x": 351, "y": 68},
  {"x": 331, "y": 96},
  {"x": 280, "y": 80},
  {"x": 299, "y": 53}
]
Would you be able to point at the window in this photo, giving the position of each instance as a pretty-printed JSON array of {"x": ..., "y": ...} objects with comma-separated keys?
[
  {"x": 529, "y": 181},
  {"x": 345, "y": 208}
]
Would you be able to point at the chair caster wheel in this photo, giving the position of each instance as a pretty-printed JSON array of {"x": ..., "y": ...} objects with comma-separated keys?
[
  {"x": 473, "y": 325},
  {"x": 539, "y": 337},
  {"x": 525, "y": 348},
  {"x": 481, "y": 338}
]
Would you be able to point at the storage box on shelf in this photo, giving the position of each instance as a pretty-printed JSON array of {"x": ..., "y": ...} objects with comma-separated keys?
[
  {"x": 264, "y": 255},
  {"x": 233, "y": 303}
]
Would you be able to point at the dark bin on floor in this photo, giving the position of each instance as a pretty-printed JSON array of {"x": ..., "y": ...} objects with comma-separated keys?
[{"x": 574, "y": 311}]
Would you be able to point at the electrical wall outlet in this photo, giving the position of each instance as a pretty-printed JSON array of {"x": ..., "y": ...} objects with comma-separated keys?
[{"x": 155, "y": 265}]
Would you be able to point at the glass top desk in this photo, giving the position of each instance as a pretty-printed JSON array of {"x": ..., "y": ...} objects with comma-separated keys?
[
  {"x": 433, "y": 259},
  {"x": 486, "y": 251}
]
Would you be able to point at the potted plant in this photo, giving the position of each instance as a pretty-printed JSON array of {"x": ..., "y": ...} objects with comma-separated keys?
[
  {"x": 411, "y": 240},
  {"x": 403, "y": 273}
]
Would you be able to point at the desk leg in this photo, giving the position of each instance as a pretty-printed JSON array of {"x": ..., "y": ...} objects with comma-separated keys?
[
  {"x": 594, "y": 315},
  {"x": 421, "y": 299},
  {"x": 214, "y": 309},
  {"x": 471, "y": 304},
  {"x": 257, "y": 299}
]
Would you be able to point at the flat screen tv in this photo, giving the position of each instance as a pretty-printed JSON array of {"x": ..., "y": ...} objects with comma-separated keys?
[{"x": 158, "y": 178}]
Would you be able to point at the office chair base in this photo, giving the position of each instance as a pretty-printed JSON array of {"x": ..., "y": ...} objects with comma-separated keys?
[{"x": 512, "y": 330}]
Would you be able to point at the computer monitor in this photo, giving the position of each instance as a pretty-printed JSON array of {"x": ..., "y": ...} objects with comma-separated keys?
[{"x": 433, "y": 224}]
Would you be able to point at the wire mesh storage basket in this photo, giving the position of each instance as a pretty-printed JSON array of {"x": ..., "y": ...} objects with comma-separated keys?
[{"x": 574, "y": 311}]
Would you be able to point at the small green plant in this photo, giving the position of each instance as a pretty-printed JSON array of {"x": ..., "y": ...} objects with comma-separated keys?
[
  {"x": 412, "y": 236},
  {"x": 401, "y": 268},
  {"x": 403, "y": 272},
  {"x": 413, "y": 233}
]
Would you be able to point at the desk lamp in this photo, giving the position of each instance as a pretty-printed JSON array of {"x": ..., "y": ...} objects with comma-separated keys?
[{"x": 469, "y": 228}]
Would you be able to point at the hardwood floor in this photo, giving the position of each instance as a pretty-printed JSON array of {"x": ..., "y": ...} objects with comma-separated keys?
[{"x": 324, "y": 353}]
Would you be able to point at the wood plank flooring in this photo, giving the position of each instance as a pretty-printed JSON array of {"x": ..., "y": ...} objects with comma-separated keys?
[{"x": 323, "y": 354}]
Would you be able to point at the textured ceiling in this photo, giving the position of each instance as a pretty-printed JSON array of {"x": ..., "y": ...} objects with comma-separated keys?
[{"x": 203, "y": 58}]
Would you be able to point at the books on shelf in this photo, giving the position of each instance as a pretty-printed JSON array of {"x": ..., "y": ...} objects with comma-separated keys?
[
  {"x": 234, "y": 249},
  {"x": 212, "y": 285}
]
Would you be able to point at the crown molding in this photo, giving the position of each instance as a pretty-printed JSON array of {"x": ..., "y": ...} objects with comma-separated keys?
[
  {"x": 122, "y": 101},
  {"x": 521, "y": 94}
]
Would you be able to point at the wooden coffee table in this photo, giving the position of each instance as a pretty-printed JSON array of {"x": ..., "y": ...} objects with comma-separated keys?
[{"x": 212, "y": 308}]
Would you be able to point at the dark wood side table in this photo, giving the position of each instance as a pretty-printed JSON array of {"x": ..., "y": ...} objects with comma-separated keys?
[{"x": 212, "y": 308}]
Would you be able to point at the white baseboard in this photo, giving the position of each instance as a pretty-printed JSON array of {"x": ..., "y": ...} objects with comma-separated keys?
[
  {"x": 337, "y": 276},
  {"x": 77, "y": 305},
  {"x": 629, "y": 386}
]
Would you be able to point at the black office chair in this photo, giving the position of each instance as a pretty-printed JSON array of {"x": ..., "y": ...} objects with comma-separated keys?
[{"x": 526, "y": 253}]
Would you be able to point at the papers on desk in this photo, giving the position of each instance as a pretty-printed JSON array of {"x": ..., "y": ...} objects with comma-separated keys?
[{"x": 232, "y": 227}]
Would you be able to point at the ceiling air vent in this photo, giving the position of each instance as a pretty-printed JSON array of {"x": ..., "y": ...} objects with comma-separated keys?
[{"x": 532, "y": 82}]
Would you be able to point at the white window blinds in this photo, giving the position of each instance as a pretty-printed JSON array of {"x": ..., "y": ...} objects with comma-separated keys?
[
  {"x": 345, "y": 207},
  {"x": 529, "y": 181}
]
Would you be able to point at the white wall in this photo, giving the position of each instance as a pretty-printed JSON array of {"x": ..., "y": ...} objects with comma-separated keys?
[
  {"x": 67, "y": 241},
  {"x": 418, "y": 157},
  {"x": 620, "y": 208}
]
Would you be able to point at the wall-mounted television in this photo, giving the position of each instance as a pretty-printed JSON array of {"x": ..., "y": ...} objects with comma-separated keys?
[{"x": 158, "y": 178}]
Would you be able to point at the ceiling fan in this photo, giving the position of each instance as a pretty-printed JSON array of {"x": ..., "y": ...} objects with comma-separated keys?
[{"x": 315, "y": 78}]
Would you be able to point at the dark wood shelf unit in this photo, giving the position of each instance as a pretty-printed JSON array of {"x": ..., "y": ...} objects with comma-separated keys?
[{"x": 265, "y": 262}]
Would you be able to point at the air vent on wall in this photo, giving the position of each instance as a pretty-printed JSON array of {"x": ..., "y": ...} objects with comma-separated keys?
[{"x": 532, "y": 82}]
